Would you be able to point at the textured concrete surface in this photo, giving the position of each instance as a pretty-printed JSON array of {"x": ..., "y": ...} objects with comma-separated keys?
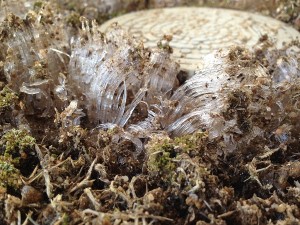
[{"x": 199, "y": 31}]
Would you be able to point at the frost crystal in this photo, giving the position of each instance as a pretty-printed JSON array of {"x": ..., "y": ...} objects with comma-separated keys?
[
  {"x": 31, "y": 65},
  {"x": 116, "y": 82},
  {"x": 114, "y": 73},
  {"x": 230, "y": 93}
]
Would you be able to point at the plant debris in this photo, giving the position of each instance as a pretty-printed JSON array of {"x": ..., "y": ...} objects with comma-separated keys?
[{"x": 96, "y": 129}]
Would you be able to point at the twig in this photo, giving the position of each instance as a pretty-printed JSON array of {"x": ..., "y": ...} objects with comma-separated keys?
[
  {"x": 45, "y": 172},
  {"x": 227, "y": 214},
  {"x": 86, "y": 182},
  {"x": 90, "y": 195}
]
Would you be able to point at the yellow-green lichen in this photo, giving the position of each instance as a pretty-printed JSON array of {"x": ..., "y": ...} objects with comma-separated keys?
[
  {"x": 190, "y": 142},
  {"x": 7, "y": 98},
  {"x": 9, "y": 175},
  {"x": 66, "y": 219},
  {"x": 161, "y": 154},
  {"x": 16, "y": 141},
  {"x": 165, "y": 153},
  {"x": 38, "y": 5}
]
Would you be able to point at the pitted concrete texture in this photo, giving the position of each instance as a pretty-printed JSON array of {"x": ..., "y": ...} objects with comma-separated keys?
[{"x": 199, "y": 31}]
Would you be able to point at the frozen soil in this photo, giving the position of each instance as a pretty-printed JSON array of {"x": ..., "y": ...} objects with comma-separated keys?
[{"x": 97, "y": 129}]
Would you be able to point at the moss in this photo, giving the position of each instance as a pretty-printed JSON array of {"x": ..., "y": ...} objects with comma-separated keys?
[
  {"x": 16, "y": 141},
  {"x": 161, "y": 154},
  {"x": 162, "y": 162},
  {"x": 7, "y": 98},
  {"x": 9, "y": 175},
  {"x": 66, "y": 219},
  {"x": 163, "y": 151},
  {"x": 191, "y": 142},
  {"x": 38, "y": 5}
]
